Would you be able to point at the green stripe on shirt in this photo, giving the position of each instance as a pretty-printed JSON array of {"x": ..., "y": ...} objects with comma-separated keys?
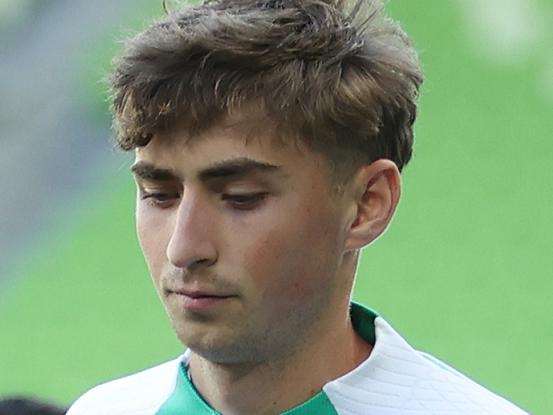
[{"x": 186, "y": 400}]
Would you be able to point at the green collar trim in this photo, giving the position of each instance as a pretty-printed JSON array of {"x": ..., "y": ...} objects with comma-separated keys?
[
  {"x": 186, "y": 399},
  {"x": 362, "y": 319}
]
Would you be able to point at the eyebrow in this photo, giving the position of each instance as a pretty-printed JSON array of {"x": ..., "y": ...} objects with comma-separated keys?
[
  {"x": 148, "y": 171},
  {"x": 237, "y": 167},
  {"x": 232, "y": 168}
]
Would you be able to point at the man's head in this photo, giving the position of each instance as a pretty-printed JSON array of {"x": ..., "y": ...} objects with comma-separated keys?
[{"x": 246, "y": 117}]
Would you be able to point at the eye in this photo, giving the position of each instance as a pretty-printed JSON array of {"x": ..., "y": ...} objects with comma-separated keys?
[
  {"x": 244, "y": 201},
  {"x": 160, "y": 199}
]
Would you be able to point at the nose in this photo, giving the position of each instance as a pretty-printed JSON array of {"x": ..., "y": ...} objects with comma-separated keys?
[{"x": 191, "y": 244}]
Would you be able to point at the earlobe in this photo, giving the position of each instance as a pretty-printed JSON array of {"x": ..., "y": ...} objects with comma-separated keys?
[{"x": 376, "y": 192}]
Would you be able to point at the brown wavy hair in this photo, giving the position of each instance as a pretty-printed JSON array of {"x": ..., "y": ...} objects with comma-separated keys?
[{"x": 338, "y": 75}]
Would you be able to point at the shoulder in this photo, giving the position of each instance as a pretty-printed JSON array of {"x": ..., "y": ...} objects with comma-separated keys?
[
  {"x": 399, "y": 379},
  {"x": 139, "y": 394}
]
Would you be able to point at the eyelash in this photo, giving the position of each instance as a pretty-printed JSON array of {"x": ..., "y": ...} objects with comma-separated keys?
[
  {"x": 159, "y": 200},
  {"x": 246, "y": 201}
]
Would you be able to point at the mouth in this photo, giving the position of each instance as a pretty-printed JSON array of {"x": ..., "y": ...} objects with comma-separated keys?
[{"x": 199, "y": 301}]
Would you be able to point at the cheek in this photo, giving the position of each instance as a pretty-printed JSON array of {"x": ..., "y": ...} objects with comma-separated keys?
[
  {"x": 152, "y": 240},
  {"x": 291, "y": 260}
]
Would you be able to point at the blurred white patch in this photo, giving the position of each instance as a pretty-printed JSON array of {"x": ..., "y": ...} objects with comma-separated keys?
[{"x": 505, "y": 31}]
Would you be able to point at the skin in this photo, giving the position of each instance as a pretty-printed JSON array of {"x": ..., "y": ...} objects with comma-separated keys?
[{"x": 271, "y": 252}]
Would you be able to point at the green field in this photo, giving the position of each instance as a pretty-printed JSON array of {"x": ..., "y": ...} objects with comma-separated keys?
[{"x": 464, "y": 272}]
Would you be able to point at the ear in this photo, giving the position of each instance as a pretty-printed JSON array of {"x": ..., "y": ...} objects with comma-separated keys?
[{"x": 376, "y": 190}]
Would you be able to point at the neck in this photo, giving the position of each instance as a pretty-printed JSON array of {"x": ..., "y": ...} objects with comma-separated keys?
[{"x": 275, "y": 386}]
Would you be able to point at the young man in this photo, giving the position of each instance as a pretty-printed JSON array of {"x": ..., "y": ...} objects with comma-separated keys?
[{"x": 269, "y": 138}]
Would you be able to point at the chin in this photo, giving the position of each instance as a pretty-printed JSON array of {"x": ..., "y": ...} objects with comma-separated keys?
[
  {"x": 215, "y": 353},
  {"x": 207, "y": 342},
  {"x": 222, "y": 349}
]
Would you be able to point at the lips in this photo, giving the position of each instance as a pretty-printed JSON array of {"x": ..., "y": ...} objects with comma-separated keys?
[
  {"x": 199, "y": 300},
  {"x": 198, "y": 293}
]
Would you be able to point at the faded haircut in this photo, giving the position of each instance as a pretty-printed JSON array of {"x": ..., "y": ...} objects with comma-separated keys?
[{"x": 340, "y": 76}]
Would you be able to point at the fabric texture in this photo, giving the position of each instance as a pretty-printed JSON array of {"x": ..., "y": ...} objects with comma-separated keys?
[
  {"x": 395, "y": 380},
  {"x": 186, "y": 396},
  {"x": 139, "y": 394},
  {"x": 398, "y": 380}
]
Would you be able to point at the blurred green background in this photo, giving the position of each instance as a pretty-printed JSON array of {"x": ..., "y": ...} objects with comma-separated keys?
[{"x": 464, "y": 272}]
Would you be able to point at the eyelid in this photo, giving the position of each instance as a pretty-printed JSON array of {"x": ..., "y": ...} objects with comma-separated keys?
[
  {"x": 158, "y": 198},
  {"x": 153, "y": 186},
  {"x": 152, "y": 194},
  {"x": 229, "y": 195},
  {"x": 244, "y": 201}
]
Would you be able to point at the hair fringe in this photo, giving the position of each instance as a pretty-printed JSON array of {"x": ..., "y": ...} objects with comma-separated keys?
[{"x": 339, "y": 75}]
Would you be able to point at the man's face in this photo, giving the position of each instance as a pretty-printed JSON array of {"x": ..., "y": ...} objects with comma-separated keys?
[{"x": 243, "y": 239}]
